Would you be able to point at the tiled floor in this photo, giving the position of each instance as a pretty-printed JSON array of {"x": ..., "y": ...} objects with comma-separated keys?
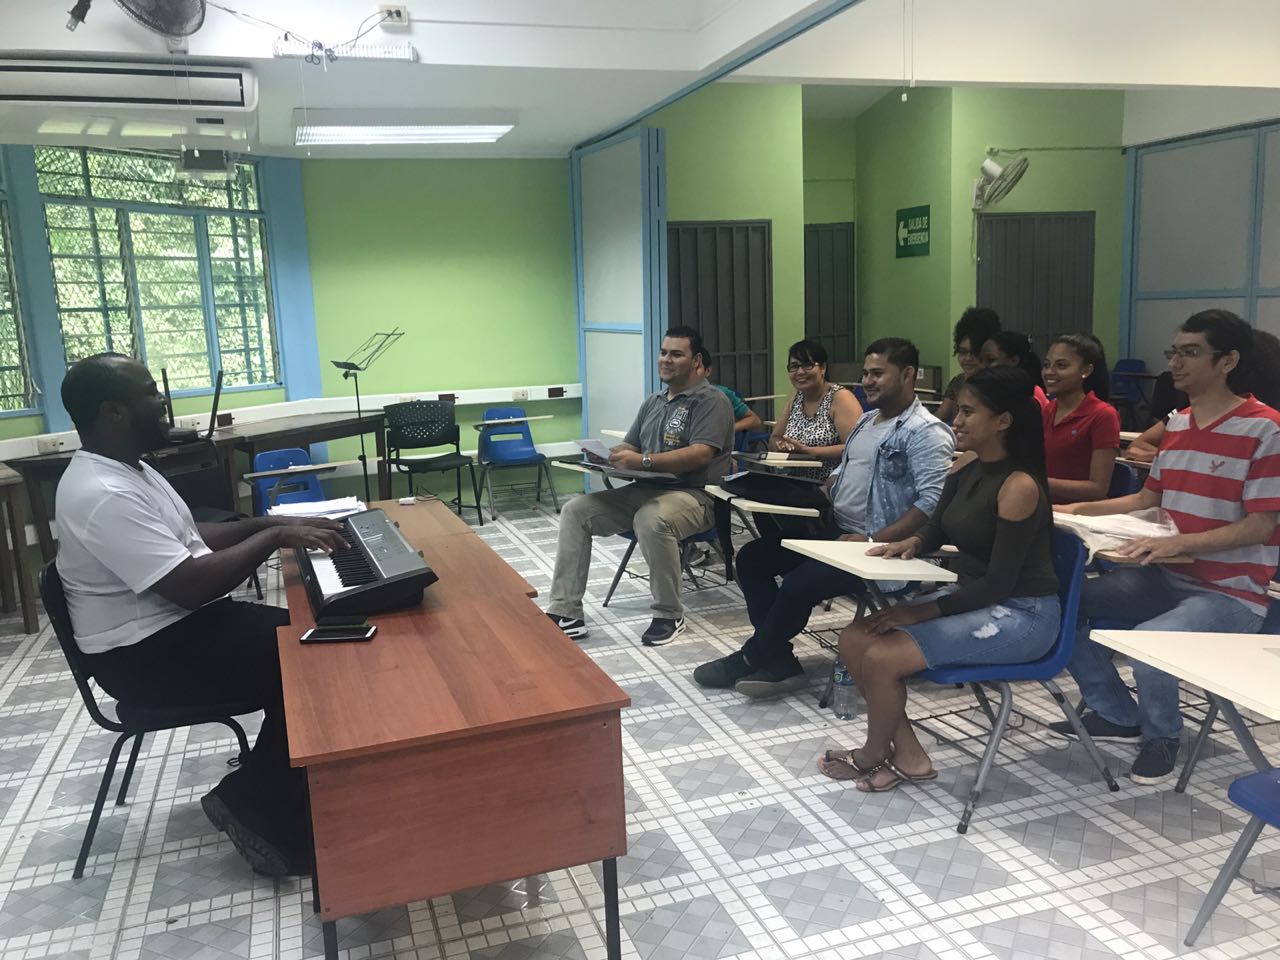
[{"x": 738, "y": 847}]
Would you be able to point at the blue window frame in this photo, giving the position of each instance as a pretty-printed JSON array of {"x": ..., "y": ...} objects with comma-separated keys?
[{"x": 15, "y": 379}]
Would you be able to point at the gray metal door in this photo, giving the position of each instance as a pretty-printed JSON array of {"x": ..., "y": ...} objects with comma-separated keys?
[
  {"x": 720, "y": 282},
  {"x": 1036, "y": 271},
  {"x": 828, "y": 289}
]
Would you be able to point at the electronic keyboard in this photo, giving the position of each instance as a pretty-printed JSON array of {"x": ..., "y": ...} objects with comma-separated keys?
[{"x": 377, "y": 572}]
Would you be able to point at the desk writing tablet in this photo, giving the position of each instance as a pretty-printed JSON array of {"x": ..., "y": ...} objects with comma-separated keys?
[
  {"x": 508, "y": 421},
  {"x": 758, "y": 506},
  {"x": 851, "y": 556}
]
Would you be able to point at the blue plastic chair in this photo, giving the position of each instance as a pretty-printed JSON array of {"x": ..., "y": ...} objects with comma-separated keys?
[
  {"x": 1259, "y": 795},
  {"x": 510, "y": 445},
  {"x": 268, "y": 491},
  {"x": 1068, "y": 563},
  {"x": 1126, "y": 389},
  {"x": 706, "y": 536},
  {"x": 1124, "y": 481}
]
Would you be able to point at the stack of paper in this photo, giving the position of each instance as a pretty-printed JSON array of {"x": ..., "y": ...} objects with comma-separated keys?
[
  {"x": 334, "y": 509},
  {"x": 1110, "y": 531}
]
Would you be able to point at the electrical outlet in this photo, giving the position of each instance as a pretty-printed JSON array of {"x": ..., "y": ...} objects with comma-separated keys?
[
  {"x": 407, "y": 398},
  {"x": 520, "y": 394},
  {"x": 49, "y": 444},
  {"x": 395, "y": 16}
]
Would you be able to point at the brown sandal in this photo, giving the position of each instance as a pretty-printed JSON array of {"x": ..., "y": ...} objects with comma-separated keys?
[{"x": 839, "y": 765}]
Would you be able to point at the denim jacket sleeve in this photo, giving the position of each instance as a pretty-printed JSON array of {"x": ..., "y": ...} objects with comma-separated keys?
[{"x": 930, "y": 446}]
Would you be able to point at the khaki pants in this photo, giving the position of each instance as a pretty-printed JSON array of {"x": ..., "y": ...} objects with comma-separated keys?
[{"x": 660, "y": 518}]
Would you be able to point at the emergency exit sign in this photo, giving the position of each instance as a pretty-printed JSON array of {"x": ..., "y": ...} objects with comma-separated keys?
[{"x": 912, "y": 233}]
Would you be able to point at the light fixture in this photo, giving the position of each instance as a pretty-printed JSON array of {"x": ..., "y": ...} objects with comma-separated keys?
[{"x": 314, "y": 128}]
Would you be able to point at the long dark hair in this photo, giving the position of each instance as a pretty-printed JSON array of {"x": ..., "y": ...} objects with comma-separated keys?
[
  {"x": 1009, "y": 390},
  {"x": 1089, "y": 349},
  {"x": 1018, "y": 345}
]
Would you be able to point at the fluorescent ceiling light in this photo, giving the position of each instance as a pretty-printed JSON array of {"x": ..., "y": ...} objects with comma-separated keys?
[
  {"x": 317, "y": 134},
  {"x": 333, "y": 127}
]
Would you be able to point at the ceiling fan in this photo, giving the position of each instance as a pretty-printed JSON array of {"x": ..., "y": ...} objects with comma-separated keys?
[{"x": 169, "y": 18}]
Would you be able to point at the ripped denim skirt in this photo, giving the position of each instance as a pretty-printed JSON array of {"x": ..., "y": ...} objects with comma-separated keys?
[{"x": 1016, "y": 630}]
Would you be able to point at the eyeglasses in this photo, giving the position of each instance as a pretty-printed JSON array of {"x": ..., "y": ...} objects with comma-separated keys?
[
  {"x": 961, "y": 353},
  {"x": 793, "y": 366},
  {"x": 1192, "y": 353}
]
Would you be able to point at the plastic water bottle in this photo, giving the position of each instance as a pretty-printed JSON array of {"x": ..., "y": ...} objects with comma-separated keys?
[{"x": 844, "y": 700}]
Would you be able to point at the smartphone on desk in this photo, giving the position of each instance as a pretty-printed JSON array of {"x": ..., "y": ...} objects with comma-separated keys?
[{"x": 344, "y": 633}]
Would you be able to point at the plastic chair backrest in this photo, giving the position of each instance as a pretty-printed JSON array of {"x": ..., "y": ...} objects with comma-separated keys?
[
  {"x": 304, "y": 488},
  {"x": 55, "y": 605},
  {"x": 862, "y": 397},
  {"x": 1271, "y": 625},
  {"x": 420, "y": 423},
  {"x": 1124, "y": 386},
  {"x": 1068, "y": 563},
  {"x": 510, "y": 444},
  {"x": 1124, "y": 481}
]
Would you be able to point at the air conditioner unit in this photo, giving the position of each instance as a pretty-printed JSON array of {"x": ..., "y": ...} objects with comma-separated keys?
[{"x": 127, "y": 104}]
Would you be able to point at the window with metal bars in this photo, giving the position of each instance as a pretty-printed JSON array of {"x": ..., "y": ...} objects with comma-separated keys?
[
  {"x": 15, "y": 378},
  {"x": 170, "y": 271}
]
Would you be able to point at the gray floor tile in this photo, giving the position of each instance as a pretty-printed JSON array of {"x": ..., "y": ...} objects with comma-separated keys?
[
  {"x": 819, "y": 901},
  {"x": 58, "y": 844},
  {"x": 187, "y": 821},
  {"x": 218, "y": 873},
  {"x": 683, "y": 653},
  {"x": 699, "y": 929},
  {"x": 53, "y": 690},
  {"x": 18, "y": 760},
  {"x": 947, "y": 869},
  {"x": 646, "y": 693},
  {"x": 868, "y": 812},
  {"x": 917, "y": 951},
  {"x": 53, "y": 905},
  {"x": 800, "y": 757},
  {"x": 1165, "y": 909},
  {"x": 366, "y": 930},
  {"x": 1046, "y": 935},
  {"x": 758, "y": 831},
  {"x": 79, "y": 789},
  {"x": 1178, "y": 817},
  {"x": 757, "y": 717},
  {"x": 708, "y": 777},
  {"x": 500, "y": 898},
  {"x": 25, "y": 724},
  {"x": 1068, "y": 841},
  {"x": 663, "y": 733},
  {"x": 204, "y": 771},
  {"x": 1001, "y": 784},
  {"x": 651, "y": 855},
  {"x": 219, "y": 940},
  {"x": 559, "y": 945},
  {"x": 1072, "y": 763}
]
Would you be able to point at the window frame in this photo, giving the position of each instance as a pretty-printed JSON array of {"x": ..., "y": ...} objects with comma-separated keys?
[
  {"x": 9, "y": 251},
  {"x": 199, "y": 216}
]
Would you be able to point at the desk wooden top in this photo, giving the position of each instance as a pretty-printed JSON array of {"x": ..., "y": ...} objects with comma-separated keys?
[
  {"x": 476, "y": 658},
  {"x": 1242, "y": 667},
  {"x": 265, "y": 430}
]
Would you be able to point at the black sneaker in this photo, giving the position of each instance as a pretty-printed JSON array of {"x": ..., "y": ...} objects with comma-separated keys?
[
  {"x": 785, "y": 676},
  {"x": 1099, "y": 728},
  {"x": 573, "y": 629},
  {"x": 723, "y": 673},
  {"x": 1156, "y": 761},
  {"x": 661, "y": 631},
  {"x": 262, "y": 855}
]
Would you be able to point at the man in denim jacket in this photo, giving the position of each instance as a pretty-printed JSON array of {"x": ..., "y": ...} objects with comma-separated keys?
[{"x": 888, "y": 483}]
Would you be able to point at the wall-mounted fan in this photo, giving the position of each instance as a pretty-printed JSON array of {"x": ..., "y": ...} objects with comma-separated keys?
[
  {"x": 169, "y": 18},
  {"x": 995, "y": 181}
]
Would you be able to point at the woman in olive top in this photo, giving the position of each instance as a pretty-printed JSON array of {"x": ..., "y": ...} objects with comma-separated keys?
[{"x": 995, "y": 509}]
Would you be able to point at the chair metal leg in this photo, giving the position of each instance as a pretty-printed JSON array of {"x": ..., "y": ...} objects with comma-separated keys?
[
  {"x": 537, "y": 490},
  {"x": 486, "y": 483},
  {"x": 688, "y": 570},
  {"x": 241, "y": 739},
  {"x": 457, "y": 477},
  {"x": 622, "y": 568},
  {"x": 257, "y": 584},
  {"x": 475, "y": 492},
  {"x": 94, "y": 817},
  {"x": 1239, "y": 853},
  {"x": 551, "y": 485},
  {"x": 128, "y": 769},
  {"x": 1193, "y": 755},
  {"x": 989, "y": 755},
  {"x": 1090, "y": 747},
  {"x": 984, "y": 702},
  {"x": 824, "y": 701}
]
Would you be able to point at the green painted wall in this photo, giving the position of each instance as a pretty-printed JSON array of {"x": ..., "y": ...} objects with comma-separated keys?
[
  {"x": 12, "y": 427},
  {"x": 904, "y": 152},
  {"x": 735, "y": 151},
  {"x": 830, "y": 160},
  {"x": 1054, "y": 181},
  {"x": 472, "y": 259}
]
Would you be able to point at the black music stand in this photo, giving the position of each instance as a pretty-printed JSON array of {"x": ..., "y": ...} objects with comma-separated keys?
[{"x": 360, "y": 360}]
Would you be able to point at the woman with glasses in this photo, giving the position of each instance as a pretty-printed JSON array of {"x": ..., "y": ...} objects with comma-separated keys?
[
  {"x": 1008, "y": 348},
  {"x": 821, "y": 414},
  {"x": 975, "y": 327}
]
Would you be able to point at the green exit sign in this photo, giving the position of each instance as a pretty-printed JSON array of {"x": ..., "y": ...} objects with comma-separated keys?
[{"x": 911, "y": 234}]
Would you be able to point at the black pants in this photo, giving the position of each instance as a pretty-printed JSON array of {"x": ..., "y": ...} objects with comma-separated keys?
[
  {"x": 221, "y": 653},
  {"x": 779, "y": 612}
]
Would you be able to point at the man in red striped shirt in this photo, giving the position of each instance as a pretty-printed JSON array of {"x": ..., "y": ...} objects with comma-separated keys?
[{"x": 1217, "y": 475}]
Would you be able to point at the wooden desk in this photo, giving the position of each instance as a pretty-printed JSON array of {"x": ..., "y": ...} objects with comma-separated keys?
[
  {"x": 13, "y": 556},
  {"x": 471, "y": 742},
  {"x": 305, "y": 429}
]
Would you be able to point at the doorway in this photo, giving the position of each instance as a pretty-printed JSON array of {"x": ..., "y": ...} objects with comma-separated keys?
[{"x": 829, "y": 312}]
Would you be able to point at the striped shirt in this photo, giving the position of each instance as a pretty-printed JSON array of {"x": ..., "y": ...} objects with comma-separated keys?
[{"x": 1209, "y": 477}]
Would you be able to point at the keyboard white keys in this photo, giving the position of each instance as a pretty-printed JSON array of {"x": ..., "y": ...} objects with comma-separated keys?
[{"x": 326, "y": 573}]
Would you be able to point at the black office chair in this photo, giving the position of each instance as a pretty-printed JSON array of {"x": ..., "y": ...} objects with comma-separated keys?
[
  {"x": 427, "y": 423},
  {"x": 134, "y": 722}
]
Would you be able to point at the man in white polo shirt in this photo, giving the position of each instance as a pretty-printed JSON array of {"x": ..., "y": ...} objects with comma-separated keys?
[{"x": 147, "y": 589}]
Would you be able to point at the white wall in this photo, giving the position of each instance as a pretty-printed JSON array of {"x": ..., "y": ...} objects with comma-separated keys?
[{"x": 1152, "y": 115}]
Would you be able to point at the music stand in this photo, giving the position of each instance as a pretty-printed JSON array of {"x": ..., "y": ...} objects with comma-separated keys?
[{"x": 360, "y": 360}]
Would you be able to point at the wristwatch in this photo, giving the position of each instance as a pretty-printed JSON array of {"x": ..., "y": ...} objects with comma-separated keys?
[{"x": 646, "y": 462}]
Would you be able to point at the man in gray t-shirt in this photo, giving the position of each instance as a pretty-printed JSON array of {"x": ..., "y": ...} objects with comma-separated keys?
[{"x": 686, "y": 430}]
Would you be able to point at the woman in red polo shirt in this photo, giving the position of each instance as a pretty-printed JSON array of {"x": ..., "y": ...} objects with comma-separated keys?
[{"x": 1081, "y": 432}]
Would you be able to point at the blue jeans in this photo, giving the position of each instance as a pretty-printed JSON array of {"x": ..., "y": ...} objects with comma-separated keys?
[{"x": 1148, "y": 599}]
